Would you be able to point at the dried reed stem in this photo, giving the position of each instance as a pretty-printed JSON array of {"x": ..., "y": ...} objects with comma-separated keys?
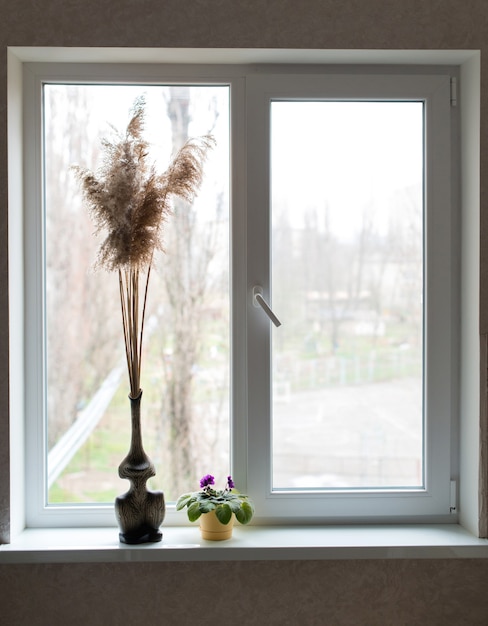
[{"x": 130, "y": 202}]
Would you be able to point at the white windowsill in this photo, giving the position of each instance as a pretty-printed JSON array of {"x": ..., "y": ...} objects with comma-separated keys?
[{"x": 247, "y": 544}]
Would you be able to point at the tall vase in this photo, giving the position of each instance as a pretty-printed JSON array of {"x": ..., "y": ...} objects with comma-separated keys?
[{"x": 139, "y": 512}]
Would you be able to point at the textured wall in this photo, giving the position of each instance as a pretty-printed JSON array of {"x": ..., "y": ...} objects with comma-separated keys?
[
  {"x": 288, "y": 593},
  {"x": 247, "y": 23},
  {"x": 365, "y": 592}
]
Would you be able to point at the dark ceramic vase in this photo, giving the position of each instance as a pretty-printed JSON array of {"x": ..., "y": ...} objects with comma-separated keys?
[{"x": 139, "y": 512}]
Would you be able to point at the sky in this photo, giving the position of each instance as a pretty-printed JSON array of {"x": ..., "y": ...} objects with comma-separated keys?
[{"x": 346, "y": 155}]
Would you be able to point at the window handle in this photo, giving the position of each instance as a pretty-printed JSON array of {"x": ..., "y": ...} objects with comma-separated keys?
[{"x": 259, "y": 301}]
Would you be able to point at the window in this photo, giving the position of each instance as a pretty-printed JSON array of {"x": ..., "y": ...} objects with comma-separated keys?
[
  {"x": 339, "y": 207},
  {"x": 346, "y": 233},
  {"x": 349, "y": 415},
  {"x": 186, "y": 347}
]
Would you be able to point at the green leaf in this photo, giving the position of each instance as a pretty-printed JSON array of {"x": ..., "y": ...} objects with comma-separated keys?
[
  {"x": 245, "y": 513},
  {"x": 194, "y": 511},
  {"x": 223, "y": 513},
  {"x": 235, "y": 505},
  {"x": 206, "y": 507},
  {"x": 183, "y": 501}
]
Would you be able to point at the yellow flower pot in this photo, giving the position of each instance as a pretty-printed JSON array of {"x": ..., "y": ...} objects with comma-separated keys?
[{"x": 212, "y": 529}]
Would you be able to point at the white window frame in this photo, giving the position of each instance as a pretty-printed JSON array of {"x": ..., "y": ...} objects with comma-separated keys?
[{"x": 250, "y": 339}]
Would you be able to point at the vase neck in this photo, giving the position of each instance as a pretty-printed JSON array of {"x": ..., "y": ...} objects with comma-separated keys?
[{"x": 136, "y": 435}]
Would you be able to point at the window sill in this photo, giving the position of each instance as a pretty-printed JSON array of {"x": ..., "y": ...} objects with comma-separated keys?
[{"x": 92, "y": 545}]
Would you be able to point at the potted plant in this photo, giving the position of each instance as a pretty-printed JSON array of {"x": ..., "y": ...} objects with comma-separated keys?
[
  {"x": 129, "y": 202},
  {"x": 216, "y": 508}
]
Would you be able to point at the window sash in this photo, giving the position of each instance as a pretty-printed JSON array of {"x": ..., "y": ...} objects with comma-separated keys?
[{"x": 432, "y": 502}]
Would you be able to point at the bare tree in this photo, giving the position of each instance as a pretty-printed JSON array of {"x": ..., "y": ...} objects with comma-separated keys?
[
  {"x": 190, "y": 246},
  {"x": 79, "y": 332}
]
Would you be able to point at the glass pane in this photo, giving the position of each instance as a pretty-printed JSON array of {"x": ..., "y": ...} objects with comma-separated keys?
[
  {"x": 347, "y": 283},
  {"x": 185, "y": 364}
]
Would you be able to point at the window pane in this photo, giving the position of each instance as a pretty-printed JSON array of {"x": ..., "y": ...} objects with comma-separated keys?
[
  {"x": 347, "y": 283},
  {"x": 185, "y": 373}
]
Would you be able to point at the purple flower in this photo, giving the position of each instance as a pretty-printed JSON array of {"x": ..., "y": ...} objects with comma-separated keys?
[
  {"x": 207, "y": 480},
  {"x": 230, "y": 482}
]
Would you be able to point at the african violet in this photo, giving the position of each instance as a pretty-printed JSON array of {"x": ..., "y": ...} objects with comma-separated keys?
[{"x": 224, "y": 502}]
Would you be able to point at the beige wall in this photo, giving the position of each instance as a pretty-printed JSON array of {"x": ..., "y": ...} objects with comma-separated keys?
[
  {"x": 365, "y": 592},
  {"x": 288, "y": 593}
]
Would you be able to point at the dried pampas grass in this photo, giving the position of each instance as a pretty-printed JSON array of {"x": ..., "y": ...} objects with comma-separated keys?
[{"x": 129, "y": 203}]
